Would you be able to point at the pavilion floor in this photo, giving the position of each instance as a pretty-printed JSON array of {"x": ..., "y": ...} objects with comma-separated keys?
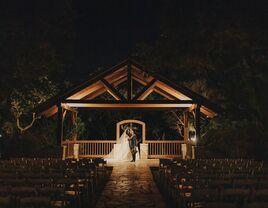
[{"x": 131, "y": 185}]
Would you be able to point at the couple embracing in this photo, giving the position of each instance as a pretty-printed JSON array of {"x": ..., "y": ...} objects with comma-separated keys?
[
  {"x": 127, "y": 149},
  {"x": 133, "y": 144}
]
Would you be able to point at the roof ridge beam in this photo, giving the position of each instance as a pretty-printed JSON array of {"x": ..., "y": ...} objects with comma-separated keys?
[{"x": 129, "y": 82}]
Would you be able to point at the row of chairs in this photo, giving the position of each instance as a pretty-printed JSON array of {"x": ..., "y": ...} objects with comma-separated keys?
[
  {"x": 51, "y": 182},
  {"x": 213, "y": 183}
]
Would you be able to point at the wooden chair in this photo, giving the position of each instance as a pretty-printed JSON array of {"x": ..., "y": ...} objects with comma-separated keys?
[
  {"x": 245, "y": 183},
  {"x": 35, "y": 202},
  {"x": 5, "y": 202},
  {"x": 260, "y": 195},
  {"x": 257, "y": 205},
  {"x": 220, "y": 205}
]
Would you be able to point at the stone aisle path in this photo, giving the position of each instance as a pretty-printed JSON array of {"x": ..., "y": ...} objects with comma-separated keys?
[{"x": 131, "y": 185}]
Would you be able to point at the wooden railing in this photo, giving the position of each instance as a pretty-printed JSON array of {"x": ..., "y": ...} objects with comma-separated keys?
[
  {"x": 89, "y": 148},
  {"x": 100, "y": 148},
  {"x": 164, "y": 149}
]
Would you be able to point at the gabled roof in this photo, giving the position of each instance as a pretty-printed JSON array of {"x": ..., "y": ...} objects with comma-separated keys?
[{"x": 85, "y": 93}]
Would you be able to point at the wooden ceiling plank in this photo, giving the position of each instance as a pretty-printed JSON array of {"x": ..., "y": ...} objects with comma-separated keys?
[
  {"x": 86, "y": 91},
  {"x": 164, "y": 94},
  {"x": 141, "y": 75},
  {"x": 103, "y": 89},
  {"x": 116, "y": 76},
  {"x": 116, "y": 73},
  {"x": 172, "y": 91},
  {"x": 142, "y": 82}
]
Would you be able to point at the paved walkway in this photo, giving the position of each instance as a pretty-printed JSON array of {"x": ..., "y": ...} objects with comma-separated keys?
[{"x": 131, "y": 185}]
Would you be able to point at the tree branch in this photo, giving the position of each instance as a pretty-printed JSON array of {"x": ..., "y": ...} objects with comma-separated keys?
[
  {"x": 177, "y": 117},
  {"x": 21, "y": 128}
]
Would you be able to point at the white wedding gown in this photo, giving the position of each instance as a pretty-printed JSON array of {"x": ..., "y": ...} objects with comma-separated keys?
[{"x": 121, "y": 152}]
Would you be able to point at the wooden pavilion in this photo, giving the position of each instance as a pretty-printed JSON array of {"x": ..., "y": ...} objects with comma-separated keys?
[{"x": 128, "y": 72}]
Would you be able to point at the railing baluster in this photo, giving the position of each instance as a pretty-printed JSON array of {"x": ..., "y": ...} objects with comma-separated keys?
[
  {"x": 167, "y": 149},
  {"x": 88, "y": 148}
]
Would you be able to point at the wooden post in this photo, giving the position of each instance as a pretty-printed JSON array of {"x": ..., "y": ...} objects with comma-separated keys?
[
  {"x": 197, "y": 124},
  {"x": 186, "y": 126},
  {"x": 60, "y": 125},
  {"x": 74, "y": 122}
]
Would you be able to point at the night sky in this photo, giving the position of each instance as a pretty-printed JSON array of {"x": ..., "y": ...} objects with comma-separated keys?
[{"x": 108, "y": 31}]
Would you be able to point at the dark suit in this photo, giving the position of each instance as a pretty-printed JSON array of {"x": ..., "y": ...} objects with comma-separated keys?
[
  {"x": 132, "y": 145},
  {"x": 138, "y": 144}
]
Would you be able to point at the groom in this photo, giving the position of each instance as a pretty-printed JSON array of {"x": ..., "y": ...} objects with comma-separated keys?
[{"x": 132, "y": 143}]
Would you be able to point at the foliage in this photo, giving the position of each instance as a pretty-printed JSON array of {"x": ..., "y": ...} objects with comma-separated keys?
[
  {"x": 8, "y": 128},
  {"x": 25, "y": 100},
  {"x": 48, "y": 133},
  {"x": 37, "y": 51},
  {"x": 224, "y": 59},
  {"x": 235, "y": 139},
  {"x": 75, "y": 130}
]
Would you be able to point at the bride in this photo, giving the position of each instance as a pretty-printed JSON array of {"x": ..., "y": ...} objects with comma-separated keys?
[{"x": 121, "y": 152}]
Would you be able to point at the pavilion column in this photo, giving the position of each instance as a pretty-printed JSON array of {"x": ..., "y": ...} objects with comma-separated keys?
[
  {"x": 197, "y": 124},
  {"x": 184, "y": 146},
  {"x": 186, "y": 126},
  {"x": 60, "y": 125},
  {"x": 74, "y": 121}
]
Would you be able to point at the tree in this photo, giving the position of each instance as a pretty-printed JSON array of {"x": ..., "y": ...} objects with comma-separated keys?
[
  {"x": 37, "y": 50},
  {"x": 223, "y": 57},
  {"x": 23, "y": 103}
]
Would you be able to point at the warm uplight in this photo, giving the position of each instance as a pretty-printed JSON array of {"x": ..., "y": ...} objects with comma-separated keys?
[{"x": 193, "y": 138}]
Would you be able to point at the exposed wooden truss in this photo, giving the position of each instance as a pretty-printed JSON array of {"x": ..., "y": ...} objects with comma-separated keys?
[
  {"x": 86, "y": 95},
  {"x": 145, "y": 91},
  {"x": 83, "y": 95},
  {"x": 112, "y": 90}
]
